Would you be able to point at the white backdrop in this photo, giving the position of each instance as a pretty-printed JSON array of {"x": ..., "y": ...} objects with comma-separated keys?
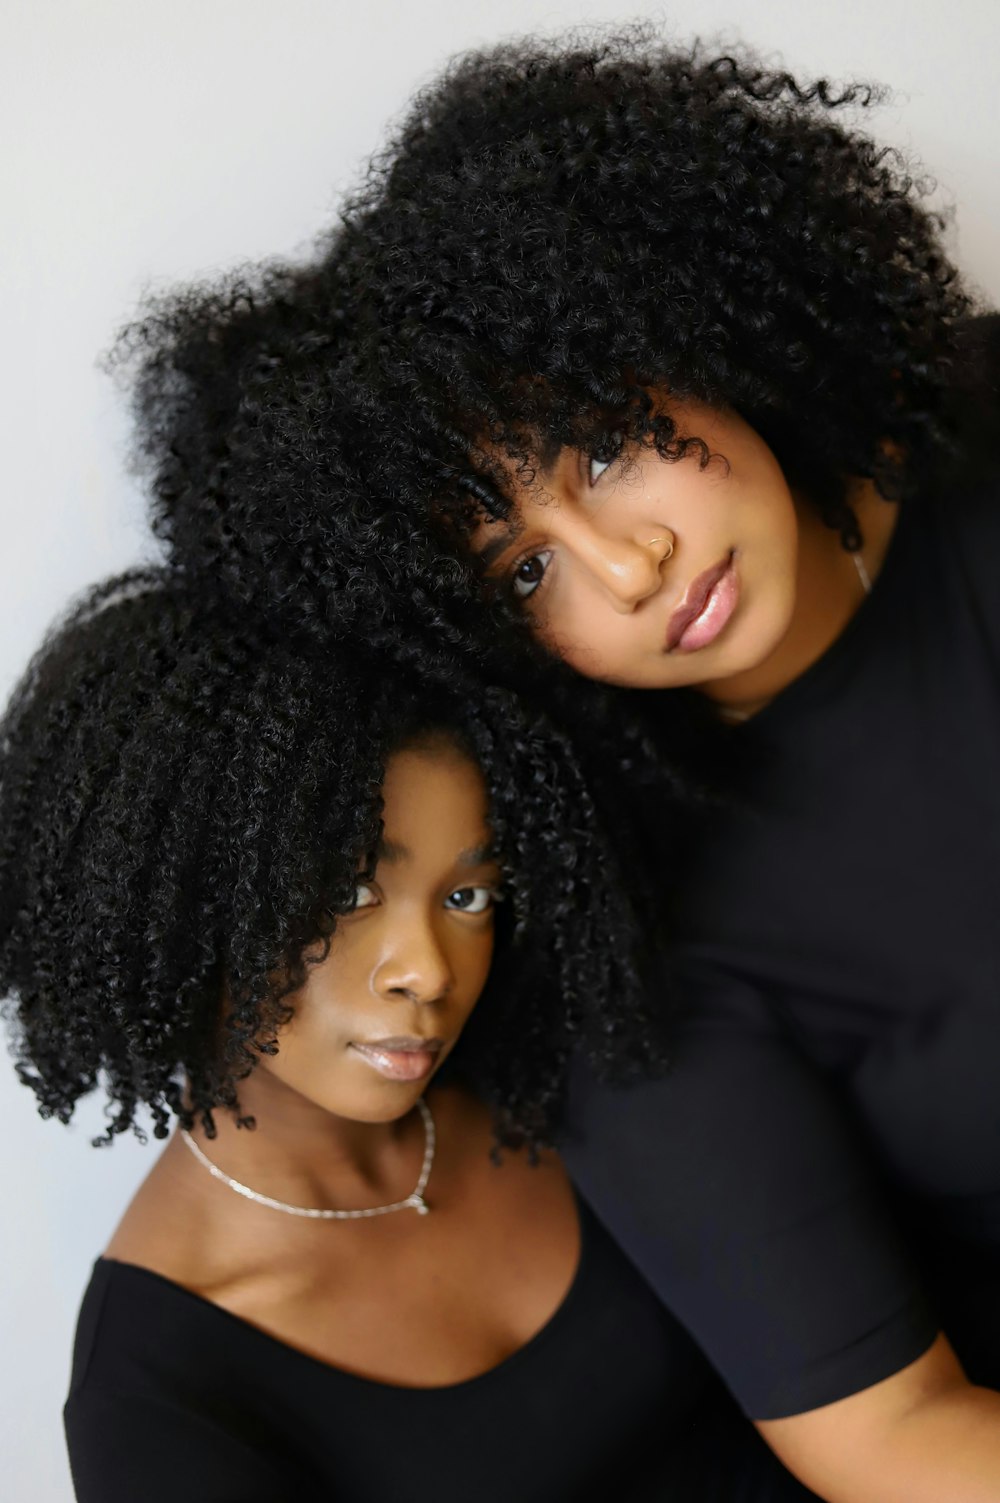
[{"x": 148, "y": 141}]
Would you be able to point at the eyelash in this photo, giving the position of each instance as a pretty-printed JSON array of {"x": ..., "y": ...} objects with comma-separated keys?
[
  {"x": 493, "y": 897},
  {"x": 614, "y": 452},
  {"x": 536, "y": 584},
  {"x": 605, "y": 457}
]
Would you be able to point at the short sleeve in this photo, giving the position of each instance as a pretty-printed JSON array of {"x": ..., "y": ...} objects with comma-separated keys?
[{"x": 741, "y": 1189}]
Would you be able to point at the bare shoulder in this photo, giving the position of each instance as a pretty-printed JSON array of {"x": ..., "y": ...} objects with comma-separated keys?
[{"x": 169, "y": 1225}]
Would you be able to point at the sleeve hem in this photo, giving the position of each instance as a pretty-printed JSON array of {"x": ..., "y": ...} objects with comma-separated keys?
[{"x": 880, "y": 1355}]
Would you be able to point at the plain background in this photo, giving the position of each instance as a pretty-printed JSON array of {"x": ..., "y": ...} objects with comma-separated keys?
[{"x": 146, "y": 142}]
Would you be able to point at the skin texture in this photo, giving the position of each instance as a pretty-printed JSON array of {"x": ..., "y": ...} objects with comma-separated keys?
[
  {"x": 921, "y": 1436},
  {"x": 411, "y": 960},
  {"x": 616, "y": 545},
  {"x": 331, "y": 1131}
]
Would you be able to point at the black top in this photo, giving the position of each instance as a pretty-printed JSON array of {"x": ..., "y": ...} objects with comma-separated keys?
[
  {"x": 172, "y": 1397},
  {"x": 839, "y": 961}
]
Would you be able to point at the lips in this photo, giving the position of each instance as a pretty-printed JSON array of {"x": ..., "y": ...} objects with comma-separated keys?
[
  {"x": 708, "y": 604},
  {"x": 400, "y": 1058}
]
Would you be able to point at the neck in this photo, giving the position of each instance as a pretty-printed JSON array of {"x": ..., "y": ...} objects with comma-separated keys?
[
  {"x": 828, "y": 593},
  {"x": 302, "y": 1154}
]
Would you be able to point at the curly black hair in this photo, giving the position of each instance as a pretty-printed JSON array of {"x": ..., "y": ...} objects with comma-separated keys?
[
  {"x": 185, "y": 805},
  {"x": 557, "y": 232}
]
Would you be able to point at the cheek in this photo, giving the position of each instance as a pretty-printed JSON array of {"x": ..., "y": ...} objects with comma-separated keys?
[
  {"x": 606, "y": 655},
  {"x": 588, "y": 634},
  {"x": 470, "y": 959},
  {"x": 314, "y": 1038}
]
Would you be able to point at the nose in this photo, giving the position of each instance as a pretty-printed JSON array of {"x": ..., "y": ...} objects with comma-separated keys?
[
  {"x": 627, "y": 566},
  {"x": 414, "y": 966}
]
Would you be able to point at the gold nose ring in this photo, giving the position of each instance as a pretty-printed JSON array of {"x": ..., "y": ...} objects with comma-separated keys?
[{"x": 668, "y": 539}]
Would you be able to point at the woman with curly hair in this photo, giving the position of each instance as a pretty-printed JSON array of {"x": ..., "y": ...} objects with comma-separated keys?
[
  {"x": 256, "y": 893},
  {"x": 648, "y": 357}
]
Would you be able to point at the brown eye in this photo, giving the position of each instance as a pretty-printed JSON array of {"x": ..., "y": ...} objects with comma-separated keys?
[
  {"x": 471, "y": 899},
  {"x": 529, "y": 573}
]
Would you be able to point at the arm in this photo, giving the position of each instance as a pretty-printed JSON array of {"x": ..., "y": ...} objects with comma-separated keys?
[
  {"x": 741, "y": 1188},
  {"x": 925, "y": 1435}
]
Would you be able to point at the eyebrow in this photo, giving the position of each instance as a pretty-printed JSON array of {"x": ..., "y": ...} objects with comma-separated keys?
[
  {"x": 477, "y": 855},
  {"x": 391, "y": 851},
  {"x": 498, "y": 545},
  {"x": 548, "y": 458}
]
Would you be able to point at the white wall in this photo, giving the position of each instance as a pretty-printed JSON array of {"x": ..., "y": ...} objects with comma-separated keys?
[{"x": 146, "y": 140}]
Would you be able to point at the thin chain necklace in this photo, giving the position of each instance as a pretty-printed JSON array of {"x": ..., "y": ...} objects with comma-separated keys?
[
  {"x": 414, "y": 1202},
  {"x": 863, "y": 575}
]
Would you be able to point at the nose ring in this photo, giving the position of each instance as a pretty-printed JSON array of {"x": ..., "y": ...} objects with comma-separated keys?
[{"x": 667, "y": 538}]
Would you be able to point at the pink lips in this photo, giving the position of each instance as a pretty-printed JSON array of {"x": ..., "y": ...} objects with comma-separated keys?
[
  {"x": 400, "y": 1058},
  {"x": 708, "y": 604}
]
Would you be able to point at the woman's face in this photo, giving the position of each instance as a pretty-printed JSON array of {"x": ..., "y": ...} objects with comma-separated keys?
[
  {"x": 378, "y": 1016},
  {"x": 651, "y": 573}
]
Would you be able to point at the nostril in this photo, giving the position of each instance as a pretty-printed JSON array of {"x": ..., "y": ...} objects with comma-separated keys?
[{"x": 665, "y": 543}]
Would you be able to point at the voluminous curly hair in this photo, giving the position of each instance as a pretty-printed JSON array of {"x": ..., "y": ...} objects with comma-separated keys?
[
  {"x": 557, "y": 233},
  {"x": 561, "y": 232},
  {"x": 185, "y": 806}
]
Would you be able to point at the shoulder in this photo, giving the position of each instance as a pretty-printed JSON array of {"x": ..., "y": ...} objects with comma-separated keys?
[
  {"x": 135, "y": 1332},
  {"x": 177, "y": 1227},
  {"x": 161, "y": 1217},
  {"x": 154, "y": 1378},
  {"x": 143, "y": 1341}
]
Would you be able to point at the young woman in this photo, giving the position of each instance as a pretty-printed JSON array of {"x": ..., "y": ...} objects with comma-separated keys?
[
  {"x": 653, "y": 351},
  {"x": 262, "y": 895}
]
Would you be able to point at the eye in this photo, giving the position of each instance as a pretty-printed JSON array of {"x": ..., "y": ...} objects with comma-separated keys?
[
  {"x": 529, "y": 572},
  {"x": 605, "y": 457},
  {"x": 366, "y": 897},
  {"x": 471, "y": 899}
]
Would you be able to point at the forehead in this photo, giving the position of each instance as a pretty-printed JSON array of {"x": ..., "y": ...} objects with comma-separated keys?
[{"x": 435, "y": 803}]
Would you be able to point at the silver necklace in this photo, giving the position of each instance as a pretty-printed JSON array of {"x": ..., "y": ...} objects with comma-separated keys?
[
  {"x": 414, "y": 1202},
  {"x": 863, "y": 575}
]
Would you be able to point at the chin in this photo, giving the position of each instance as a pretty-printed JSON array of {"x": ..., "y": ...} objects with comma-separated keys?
[
  {"x": 752, "y": 642},
  {"x": 379, "y": 1106}
]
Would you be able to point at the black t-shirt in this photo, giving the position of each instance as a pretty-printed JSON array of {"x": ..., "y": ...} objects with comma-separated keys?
[
  {"x": 172, "y": 1397},
  {"x": 815, "y": 1188}
]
